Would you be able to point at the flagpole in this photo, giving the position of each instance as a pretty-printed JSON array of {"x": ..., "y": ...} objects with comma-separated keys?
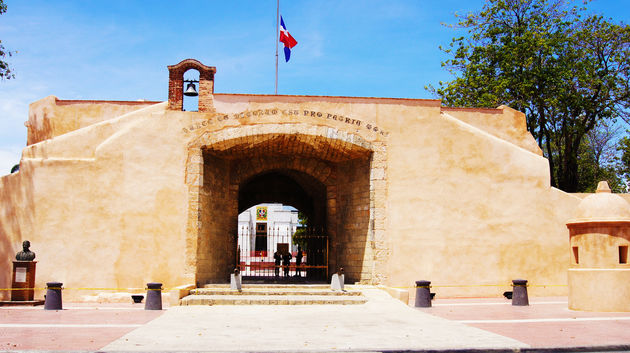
[{"x": 276, "y": 37}]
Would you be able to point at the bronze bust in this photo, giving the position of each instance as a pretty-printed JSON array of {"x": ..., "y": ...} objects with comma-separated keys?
[{"x": 25, "y": 254}]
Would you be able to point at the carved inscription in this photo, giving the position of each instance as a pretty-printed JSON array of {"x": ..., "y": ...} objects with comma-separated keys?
[{"x": 308, "y": 114}]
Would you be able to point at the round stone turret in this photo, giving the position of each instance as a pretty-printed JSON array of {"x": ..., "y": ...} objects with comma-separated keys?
[
  {"x": 599, "y": 273},
  {"x": 602, "y": 206}
]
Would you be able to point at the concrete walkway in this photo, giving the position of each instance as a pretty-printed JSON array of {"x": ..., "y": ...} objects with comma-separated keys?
[{"x": 381, "y": 324}]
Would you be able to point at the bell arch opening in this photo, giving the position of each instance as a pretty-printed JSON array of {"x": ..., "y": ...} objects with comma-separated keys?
[
  {"x": 336, "y": 182},
  {"x": 190, "y": 100},
  {"x": 205, "y": 89}
]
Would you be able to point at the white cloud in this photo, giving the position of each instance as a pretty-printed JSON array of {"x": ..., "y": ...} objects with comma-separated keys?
[{"x": 14, "y": 102}]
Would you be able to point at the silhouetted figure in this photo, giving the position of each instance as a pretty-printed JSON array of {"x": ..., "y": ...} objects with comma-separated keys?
[
  {"x": 25, "y": 254},
  {"x": 276, "y": 261},
  {"x": 298, "y": 262},
  {"x": 286, "y": 261}
]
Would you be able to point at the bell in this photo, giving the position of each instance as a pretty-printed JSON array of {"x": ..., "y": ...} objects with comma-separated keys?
[{"x": 191, "y": 91}]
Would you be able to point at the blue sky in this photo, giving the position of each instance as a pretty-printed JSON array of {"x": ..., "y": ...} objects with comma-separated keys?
[{"x": 119, "y": 50}]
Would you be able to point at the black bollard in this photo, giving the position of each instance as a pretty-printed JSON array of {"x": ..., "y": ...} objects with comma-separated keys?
[
  {"x": 154, "y": 296},
  {"x": 519, "y": 292},
  {"x": 423, "y": 294},
  {"x": 53, "y": 296}
]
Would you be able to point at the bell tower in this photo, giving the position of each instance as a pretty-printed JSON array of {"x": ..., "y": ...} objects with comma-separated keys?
[{"x": 176, "y": 84}]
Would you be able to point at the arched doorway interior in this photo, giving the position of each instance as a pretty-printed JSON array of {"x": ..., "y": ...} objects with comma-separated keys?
[
  {"x": 268, "y": 236},
  {"x": 339, "y": 180}
]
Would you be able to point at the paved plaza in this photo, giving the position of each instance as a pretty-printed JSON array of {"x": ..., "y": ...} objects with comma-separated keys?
[{"x": 382, "y": 324}]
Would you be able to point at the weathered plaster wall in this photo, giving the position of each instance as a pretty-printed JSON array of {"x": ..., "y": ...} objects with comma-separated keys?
[
  {"x": 448, "y": 201},
  {"x": 466, "y": 209},
  {"x": 107, "y": 204},
  {"x": 16, "y": 219},
  {"x": 50, "y": 117},
  {"x": 503, "y": 122}
]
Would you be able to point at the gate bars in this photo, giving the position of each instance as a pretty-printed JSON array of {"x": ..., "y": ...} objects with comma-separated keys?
[{"x": 255, "y": 252}]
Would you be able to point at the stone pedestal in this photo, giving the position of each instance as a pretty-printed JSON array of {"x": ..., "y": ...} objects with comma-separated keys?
[
  {"x": 53, "y": 296},
  {"x": 423, "y": 294},
  {"x": 236, "y": 281},
  {"x": 337, "y": 281},
  {"x": 519, "y": 292},
  {"x": 23, "y": 277},
  {"x": 154, "y": 296}
]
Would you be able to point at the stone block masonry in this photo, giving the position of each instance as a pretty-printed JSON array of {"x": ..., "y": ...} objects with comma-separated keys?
[{"x": 344, "y": 201}]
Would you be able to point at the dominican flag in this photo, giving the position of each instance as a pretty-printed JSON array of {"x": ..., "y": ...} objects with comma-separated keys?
[{"x": 286, "y": 39}]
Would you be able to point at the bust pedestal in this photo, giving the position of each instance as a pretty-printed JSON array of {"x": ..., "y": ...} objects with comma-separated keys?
[{"x": 23, "y": 277}]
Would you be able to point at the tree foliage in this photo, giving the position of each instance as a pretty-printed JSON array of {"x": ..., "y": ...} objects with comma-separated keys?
[
  {"x": 623, "y": 163},
  {"x": 567, "y": 71},
  {"x": 301, "y": 233},
  {"x": 5, "y": 69},
  {"x": 598, "y": 159}
]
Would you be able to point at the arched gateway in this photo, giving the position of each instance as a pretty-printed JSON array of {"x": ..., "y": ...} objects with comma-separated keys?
[
  {"x": 316, "y": 168},
  {"x": 402, "y": 189}
]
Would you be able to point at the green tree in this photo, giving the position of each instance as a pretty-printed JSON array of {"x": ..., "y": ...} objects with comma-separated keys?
[
  {"x": 623, "y": 163},
  {"x": 566, "y": 71},
  {"x": 5, "y": 69},
  {"x": 597, "y": 160},
  {"x": 300, "y": 237}
]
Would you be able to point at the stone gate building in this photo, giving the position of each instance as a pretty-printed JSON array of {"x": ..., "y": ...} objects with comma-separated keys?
[{"x": 117, "y": 194}]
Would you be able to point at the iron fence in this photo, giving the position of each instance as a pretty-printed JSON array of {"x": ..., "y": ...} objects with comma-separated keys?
[{"x": 263, "y": 252}]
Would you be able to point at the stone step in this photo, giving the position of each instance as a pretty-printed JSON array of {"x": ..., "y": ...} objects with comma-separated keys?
[
  {"x": 272, "y": 285},
  {"x": 273, "y": 291},
  {"x": 271, "y": 300}
]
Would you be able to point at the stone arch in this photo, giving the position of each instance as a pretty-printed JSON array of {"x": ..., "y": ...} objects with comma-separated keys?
[
  {"x": 309, "y": 173},
  {"x": 318, "y": 169},
  {"x": 351, "y": 169},
  {"x": 287, "y": 187},
  {"x": 337, "y": 144},
  {"x": 176, "y": 84}
]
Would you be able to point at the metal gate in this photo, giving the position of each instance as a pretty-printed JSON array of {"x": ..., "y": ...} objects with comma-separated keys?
[{"x": 262, "y": 253}]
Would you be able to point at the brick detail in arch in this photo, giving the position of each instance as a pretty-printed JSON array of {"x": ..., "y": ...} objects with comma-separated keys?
[
  {"x": 300, "y": 139},
  {"x": 176, "y": 84}
]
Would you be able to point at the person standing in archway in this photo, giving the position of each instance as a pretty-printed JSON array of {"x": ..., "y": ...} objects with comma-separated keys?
[
  {"x": 276, "y": 261},
  {"x": 286, "y": 262},
  {"x": 298, "y": 262}
]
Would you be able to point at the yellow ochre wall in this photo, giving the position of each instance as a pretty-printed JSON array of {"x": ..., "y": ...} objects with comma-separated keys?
[
  {"x": 51, "y": 117},
  {"x": 466, "y": 198},
  {"x": 470, "y": 212}
]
